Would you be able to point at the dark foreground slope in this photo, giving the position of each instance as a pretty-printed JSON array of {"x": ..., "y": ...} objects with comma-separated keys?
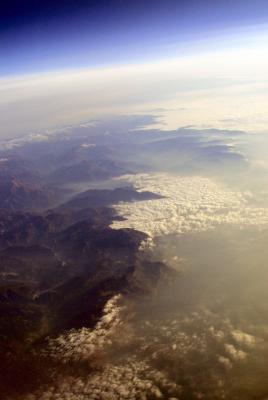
[
  {"x": 59, "y": 260},
  {"x": 57, "y": 270}
]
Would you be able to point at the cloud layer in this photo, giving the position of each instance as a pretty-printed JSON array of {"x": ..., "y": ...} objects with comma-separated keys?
[{"x": 190, "y": 204}]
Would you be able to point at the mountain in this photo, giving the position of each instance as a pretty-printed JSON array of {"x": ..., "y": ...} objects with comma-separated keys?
[
  {"x": 60, "y": 277},
  {"x": 16, "y": 195},
  {"x": 17, "y": 168},
  {"x": 84, "y": 171},
  {"x": 60, "y": 261},
  {"x": 104, "y": 198},
  {"x": 22, "y": 187}
]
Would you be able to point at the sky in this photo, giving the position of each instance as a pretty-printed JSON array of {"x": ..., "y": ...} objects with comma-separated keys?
[
  {"x": 44, "y": 36},
  {"x": 203, "y": 63}
]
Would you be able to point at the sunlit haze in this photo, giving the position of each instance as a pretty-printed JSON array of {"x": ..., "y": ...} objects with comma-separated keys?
[{"x": 134, "y": 200}]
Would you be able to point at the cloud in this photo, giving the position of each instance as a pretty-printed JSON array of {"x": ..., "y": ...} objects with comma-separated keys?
[
  {"x": 235, "y": 354},
  {"x": 153, "y": 358},
  {"x": 83, "y": 344},
  {"x": 243, "y": 338},
  {"x": 135, "y": 378},
  {"x": 189, "y": 204}
]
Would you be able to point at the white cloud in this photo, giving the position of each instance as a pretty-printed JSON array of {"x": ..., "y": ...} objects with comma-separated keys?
[
  {"x": 84, "y": 343},
  {"x": 190, "y": 204},
  {"x": 139, "y": 355},
  {"x": 225, "y": 361},
  {"x": 88, "y": 145},
  {"x": 244, "y": 338},
  {"x": 234, "y": 353}
]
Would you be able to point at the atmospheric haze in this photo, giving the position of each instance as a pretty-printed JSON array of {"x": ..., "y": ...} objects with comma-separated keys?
[{"x": 134, "y": 200}]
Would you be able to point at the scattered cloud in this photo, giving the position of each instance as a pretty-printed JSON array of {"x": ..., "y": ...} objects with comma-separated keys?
[{"x": 154, "y": 358}]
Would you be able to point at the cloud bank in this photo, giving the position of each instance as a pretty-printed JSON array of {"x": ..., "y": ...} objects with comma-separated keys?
[{"x": 190, "y": 204}]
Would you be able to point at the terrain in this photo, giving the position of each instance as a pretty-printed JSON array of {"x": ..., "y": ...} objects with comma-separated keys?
[
  {"x": 60, "y": 261},
  {"x": 64, "y": 250}
]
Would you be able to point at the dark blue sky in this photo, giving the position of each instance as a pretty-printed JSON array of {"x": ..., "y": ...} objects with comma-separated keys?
[{"x": 37, "y": 36}]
